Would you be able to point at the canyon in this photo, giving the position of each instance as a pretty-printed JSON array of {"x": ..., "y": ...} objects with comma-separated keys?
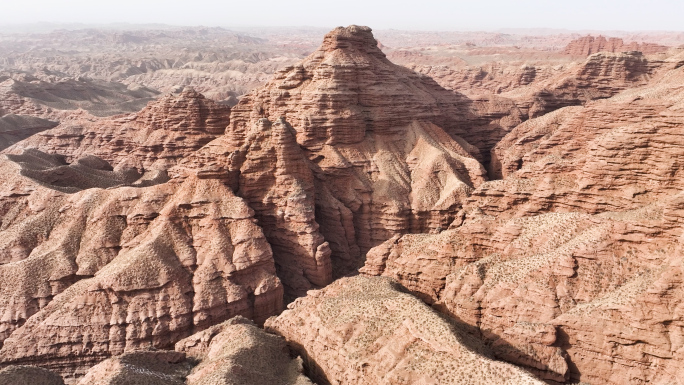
[{"x": 462, "y": 209}]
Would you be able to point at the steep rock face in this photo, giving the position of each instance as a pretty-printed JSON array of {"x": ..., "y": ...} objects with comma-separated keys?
[
  {"x": 235, "y": 352},
  {"x": 571, "y": 264},
  {"x": 155, "y": 138},
  {"x": 367, "y": 331},
  {"x": 588, "y": 45},
  {"x": 362, "y": 132},
  {"x": 269, "y": 170},
  {"x": 504, "y": 96},
  {"x": 86, "y": 274},
  {"x": 559, "y": 294},
  {"x": 617, "y": 154},
  {"x": 600, "y": 76}
]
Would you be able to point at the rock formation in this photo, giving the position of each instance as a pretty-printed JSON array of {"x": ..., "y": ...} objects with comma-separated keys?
[
  {"x": 235, "y": 352},
  {"x": 120, "y": 237},
  {"x": 356, "y": 133},
  {"x": 155, "y": 138},
  {"x": 368, "y": 331},
  {"x": 588, "y": 45},
  {"x": 14, "y": 128},
  {"x": 87, "y": 273},
  {"x": 45, "y": 94},
  {"x": 570, "y": 265}
]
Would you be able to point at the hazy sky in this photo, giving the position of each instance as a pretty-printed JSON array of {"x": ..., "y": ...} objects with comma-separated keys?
[{"x": 380, "y": 14}]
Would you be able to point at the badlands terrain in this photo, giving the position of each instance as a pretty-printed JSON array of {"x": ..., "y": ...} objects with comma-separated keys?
[{"x": 298, "y": 206}]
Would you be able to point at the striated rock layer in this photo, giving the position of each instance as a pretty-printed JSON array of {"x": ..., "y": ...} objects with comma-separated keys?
[
  {"x": 588, "y": 45},
  {"x": 155, "y": 138},
  {"x": 570, "y": 265},
  {"x": 332, "y": 154},
  {"x": 90, "y": 273},
  {"x": 368, "y": 331}
]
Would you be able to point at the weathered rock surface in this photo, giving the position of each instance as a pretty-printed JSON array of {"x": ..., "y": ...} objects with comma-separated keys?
[
  {"x": 235, "y": 352},
  {"x": 513, "y": 281},
  {"x": 570, "y": 265},
  {"x": 504, "y": 95},
  {"x": 368, "y": 331},
  {"x": 140, "y": 367},
  {"x": 155, "y": 138},
  {"x": 588, "y": 45},
  {"x": 43, "y": 94},
  {"x": 90, "y": 273},
  {"x": 352, "y": 137},
  {"x": 615, "y": 154},
  {"x": 17, "y": 375},
  {"x": 269, "y": 169}
]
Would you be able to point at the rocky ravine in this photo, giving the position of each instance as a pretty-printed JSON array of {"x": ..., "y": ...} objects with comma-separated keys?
[
  {"x": 569, "y": 266},
  {"x": 128, "y": 258}
]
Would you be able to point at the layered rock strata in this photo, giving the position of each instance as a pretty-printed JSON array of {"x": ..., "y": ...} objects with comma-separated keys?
[
  {"x": 588, "y": 45},
  {"x": 358, "y": 134},
  {"x": 570, "y": 265},
  {"x": 90, "y": 273},
  {"x": 155, "y": 138}
]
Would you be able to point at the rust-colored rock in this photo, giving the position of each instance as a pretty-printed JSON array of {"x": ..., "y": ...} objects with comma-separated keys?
[
  {"x": 235, "y": 352},
  {"x": 155, "y": 138},
  {"x": 90, "y": 273},
  {"x": 570, "y": 265},
  {"x": 352, "y": 137},
  {"x": 368, "y": 331}
]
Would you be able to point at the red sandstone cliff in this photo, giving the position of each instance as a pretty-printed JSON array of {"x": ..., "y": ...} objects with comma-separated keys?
[
  {"x": 570, "y": 265},
  {"x": 87, "y": 273},
  {"x": 353, "y": 136}
]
